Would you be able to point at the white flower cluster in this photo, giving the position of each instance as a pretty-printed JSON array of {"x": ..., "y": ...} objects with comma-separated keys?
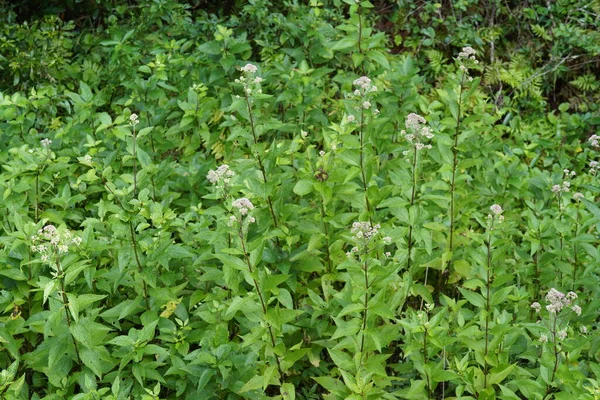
[
  {"x": 565, "y": 187},
  {"x": 50, "y": 241},
  {"x": 417, "y": 132},
  {"x": 496, "y": 212},
  {"x": 578, "y": 196},
  {"x": 465, "y": 57},
  {"x": 250, "y": 82},
  {"x": 249, "y": 68},
  {"x": 364, "y": 231},
  {"x": 243, "y": 205},
  {"x": 558, "y": 301},
  {"x": 221, "y": 177},
  {"x": 133, "y": 119},
  {"x": 594, "y": 167},
  {"x": 364, "y": 87},
  {"x": 46, "y": 142},
  {"x": 467, "y": 53},
  {"x": 594, "y": 141}
]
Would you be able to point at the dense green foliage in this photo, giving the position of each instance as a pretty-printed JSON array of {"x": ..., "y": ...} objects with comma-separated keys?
[{"x": 337, "y": 200}]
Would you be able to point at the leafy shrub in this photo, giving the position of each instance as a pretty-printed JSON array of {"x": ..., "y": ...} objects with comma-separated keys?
[{"x": 231, "y": 207}]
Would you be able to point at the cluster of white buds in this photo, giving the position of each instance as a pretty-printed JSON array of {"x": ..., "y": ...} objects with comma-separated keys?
[
  {"x": 465, "y": 58},
  {"x": 248, "y": 79},
  {"x": 352, "y": 251},
  {"x": 364, "y": 231},
  {"x": 578, "y": 196},
  {"x": 243, "y": 205},
  {"x": 50, "y": 240},
  {"x": 221, "y": 176},
  {"x": 496, "y": 213},
  {"x": 563, "y": 188},
  {"x": 46, "y": 142},
  {"x": 566, "y": 185},
  {"x": 558, "y": 301},
  {"x": 133, "y": 120},
  {"x": 363, "y": 88},
  {"x": 594, "y": 141},
  {"x": 417, "y": 132},
  {"x": 594, "y": 167},
  {"x": 303, "y": 133}
]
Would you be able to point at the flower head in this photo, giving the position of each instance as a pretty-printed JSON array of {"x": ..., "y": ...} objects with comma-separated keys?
[
  {"x": 250, "y": 82},
  {"x": 46, "y": 142},
  {"x": 249, "y": 68},
  {"x": 133, "y": 119},
  {"x": 594, "y": 141},
  {"x": 418, "y": 132},
  {"x": 243, "y": 205},
  {"x": 496, "y": 209},
  {"x": 364, "y": 231},
  {"x": 221, "y": 176},
  {"x": 49, "y": 240}
]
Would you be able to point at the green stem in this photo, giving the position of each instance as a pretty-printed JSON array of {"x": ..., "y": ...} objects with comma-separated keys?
[
  {"x": 260, "y": 296},
  {"x": 139, "y": 264},
  {"x": 454, "y": 167},
  {"x": 365, "y": 302},
  {"x": 259, "y": 159},
  {"x": 328, "y": 255},
  {"x": 134, "y": 164},
  {"x": 412, "y": 202},
  {"x": 65, "y": 304},
  {"x": 362, "y": 167},
  {"x": 487, "y": 303}
]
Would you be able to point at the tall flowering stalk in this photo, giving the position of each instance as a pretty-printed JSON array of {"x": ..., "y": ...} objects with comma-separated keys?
[
  {"x": 558, "y": 306},
  {"x": 495, "y": 216},
  {"x": 465, "y": 59},
  {"x": 52, "y": 244},
  {"x": 251, "y": 84},
  {"x": 577, "y": 197},
  {"x": 241, "y": 219},
  {"x": 417, "y": 134},
  {"x": 364, "y": 235},
  {"x": 559, "y": 190},
  {"x": 46, "y": 152},
  {"x": 362, "y": 93},
  {"x": 133, "y": 121}
]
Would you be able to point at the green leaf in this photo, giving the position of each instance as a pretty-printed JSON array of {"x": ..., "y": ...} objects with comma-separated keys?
[
  {"x": 303, "y": 187},
  {"x": 253, "y": 384},
  {"x": 14, "y": 273},
  {"x": 474, "y": 298},
  {"x": 499, "y": 373},
  {"x": 287, "y": 391}
]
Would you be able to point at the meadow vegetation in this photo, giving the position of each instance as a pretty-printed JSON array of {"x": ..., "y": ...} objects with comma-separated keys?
[{"x": 322, "y": 199}]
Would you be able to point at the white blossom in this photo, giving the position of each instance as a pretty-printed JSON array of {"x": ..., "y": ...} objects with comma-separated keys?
[{"x": 249, "y": 68}]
